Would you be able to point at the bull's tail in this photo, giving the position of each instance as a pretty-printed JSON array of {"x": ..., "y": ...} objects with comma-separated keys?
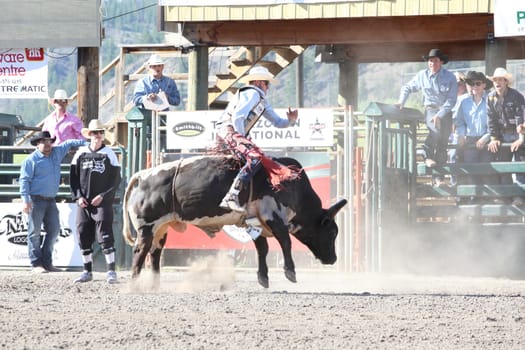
[{"x": 126, "y": 231}]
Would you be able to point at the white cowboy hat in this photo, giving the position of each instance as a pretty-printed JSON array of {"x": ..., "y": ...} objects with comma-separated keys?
[
  {"x": 59, "y": 95},
  {"x": 501, "y": 72},
  {"x": 154, "y": 60},
  {"x": 94, "y": 125},
  {"x": 258, "y": 73}
]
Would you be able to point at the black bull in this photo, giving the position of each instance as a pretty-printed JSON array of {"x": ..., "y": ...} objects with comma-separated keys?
[{"x": 190, "y": 190}]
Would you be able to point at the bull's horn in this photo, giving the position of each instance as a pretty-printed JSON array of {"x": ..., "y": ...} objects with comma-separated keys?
[{"x": 332, "y": 211}]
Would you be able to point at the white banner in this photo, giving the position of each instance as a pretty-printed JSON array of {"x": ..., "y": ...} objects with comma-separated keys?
[
  {"x": 23, "y": 73},
  {"x": 196, "y": 130},
  {"x": 509, "y": 18},
  {"x": 13, "y": 237},
  {"x": 244, "y": 2}
]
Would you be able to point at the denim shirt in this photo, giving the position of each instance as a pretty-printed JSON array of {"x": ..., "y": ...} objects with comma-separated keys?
[
  {"x": 40, "y": 175},
  {"x": 439, "y": 90},
  {"x": 149, "y": 85},
  {"x": 471, "y": 118}
]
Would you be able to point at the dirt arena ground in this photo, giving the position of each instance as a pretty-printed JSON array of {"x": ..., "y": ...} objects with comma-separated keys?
[{"x": 211, "y": 305}]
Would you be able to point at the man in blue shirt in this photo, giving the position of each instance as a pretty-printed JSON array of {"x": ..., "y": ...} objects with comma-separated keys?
[
  {"x": 149, "y": 87},
  {"x": 39, "y": 182},
  {"x": 439, "y": 88},
  {"x": 471, "y": 122}
]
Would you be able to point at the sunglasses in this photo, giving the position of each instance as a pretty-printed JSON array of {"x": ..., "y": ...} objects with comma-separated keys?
[
  {"x": 475, "y": 83},
  {"x": 97, "y": 132},
  {"x": 60, "y": 101}
]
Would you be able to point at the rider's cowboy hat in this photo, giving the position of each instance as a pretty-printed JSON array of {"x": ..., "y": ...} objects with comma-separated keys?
[
  {"x": 258, "y": 73},
  {"x": 473, "y": 76},
  {"x": 42, "y": 135},
  {"x": 154, "y": 60},
  {"x": 59, "y": 95},
  {"x": 501, "y": 72},
  {"x": 436, "y": 53},
  {"x": 94, "y": 125}
]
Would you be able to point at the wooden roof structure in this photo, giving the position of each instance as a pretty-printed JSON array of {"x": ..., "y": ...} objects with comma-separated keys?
[{"x": 363, "y": 30}]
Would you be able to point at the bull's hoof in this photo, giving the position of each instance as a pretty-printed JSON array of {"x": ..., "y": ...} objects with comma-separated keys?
[
  {"x": 290, "y": 275},
  {"x": 263, "y": 280}
]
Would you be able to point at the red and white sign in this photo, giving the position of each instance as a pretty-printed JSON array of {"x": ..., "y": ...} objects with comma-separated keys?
[
  {"x": 13, "y": 237},
  {"x": 23, "y": 73}
]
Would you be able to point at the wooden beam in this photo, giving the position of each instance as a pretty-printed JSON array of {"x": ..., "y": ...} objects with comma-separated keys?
[{"x": 423, "y": 29}]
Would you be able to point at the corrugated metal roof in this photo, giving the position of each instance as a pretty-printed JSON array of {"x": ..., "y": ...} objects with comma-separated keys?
[{"x": 370, "y": 8}]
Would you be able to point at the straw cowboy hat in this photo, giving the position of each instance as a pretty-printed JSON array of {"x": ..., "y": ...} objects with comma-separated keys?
[
  {"x": 258, "y": 73},
  {"x": 42, "y": 135},
  {"x": 154, "y": 60},
  {"x": 501, "y": 72},
  {"x": 436, "y": 53},
  {"x": 60, "y": 95},
  {"x": 94, "y": 125},
  {"x": 473, "y": 76}
]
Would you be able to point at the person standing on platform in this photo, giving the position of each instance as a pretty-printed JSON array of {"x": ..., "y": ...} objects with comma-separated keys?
[
  {"x": 471, "y": 123},
  {"x": 61, "y": 124},
  {"x": 439, "y": 88},
  {"x": 505, "y": 108},
  {"x": 150, "y": 87}
]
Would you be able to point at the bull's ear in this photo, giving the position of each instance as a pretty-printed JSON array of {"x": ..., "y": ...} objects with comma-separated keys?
[{"x": 332, "y": 211}]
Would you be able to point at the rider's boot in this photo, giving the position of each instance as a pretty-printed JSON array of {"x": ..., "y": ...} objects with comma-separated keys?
[{"x": 231, "y": 199}]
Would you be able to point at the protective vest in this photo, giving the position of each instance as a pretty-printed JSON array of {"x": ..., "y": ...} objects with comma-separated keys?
[{"x": 255, "y": 113}]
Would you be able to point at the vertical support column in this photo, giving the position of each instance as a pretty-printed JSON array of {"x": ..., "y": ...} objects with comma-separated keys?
[
  {"x": 299, "y": 80},
  {"x": 198, "y": 79},
  {"x": 88, "y": 83},
  {"x": 348, "y": 79},
  {"x": 495, "y": 54},
  {"x": 119, "y": 83}
]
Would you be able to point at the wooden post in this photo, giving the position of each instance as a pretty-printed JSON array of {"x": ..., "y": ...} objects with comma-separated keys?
[
  {"x": 348, "y": 78},
  {"x": 198, "y": 79},
  {"x": 88, "y": 83},
  {"x": 495, "y": 54}
]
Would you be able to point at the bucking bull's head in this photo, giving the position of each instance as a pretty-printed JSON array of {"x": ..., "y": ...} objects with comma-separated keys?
[{"x": 320, "y": 237}]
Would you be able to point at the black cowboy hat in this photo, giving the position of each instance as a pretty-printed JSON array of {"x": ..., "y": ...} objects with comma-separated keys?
[
  {"x": 42, "y": 135},
  {"x": 473, "y": 76},
  {"x": 436, "y": 53}
]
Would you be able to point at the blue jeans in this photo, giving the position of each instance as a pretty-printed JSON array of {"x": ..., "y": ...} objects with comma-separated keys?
[{"x": 41, "y": 248}]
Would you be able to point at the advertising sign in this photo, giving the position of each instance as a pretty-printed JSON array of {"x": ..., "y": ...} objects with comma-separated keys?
[
  {"x": 509, "y": 18},
  {"x": 195, "y": 130},
  {"x": 23, "y": 73},
  {"x": 13, "y": 237}
]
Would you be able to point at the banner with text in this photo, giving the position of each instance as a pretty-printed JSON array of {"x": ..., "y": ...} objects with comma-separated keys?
[
  {"x": 196, "y": 130},
  {"x": 13, "y": 237},
  {"x": 23, "y": 73},
  {"x": 509, "y": 18}
]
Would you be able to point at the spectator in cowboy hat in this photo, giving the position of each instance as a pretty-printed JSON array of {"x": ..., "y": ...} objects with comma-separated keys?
[
  {"x": 505, "y": 108},
  {"x": 439, "y": 88},
  {"x": 149, "y": 87},
  {"x": 95, "y": 176},
  {"x": 60, "y": 123},
  {"x": 470, "y": 119},
  {"x": 39, "y": 182}
]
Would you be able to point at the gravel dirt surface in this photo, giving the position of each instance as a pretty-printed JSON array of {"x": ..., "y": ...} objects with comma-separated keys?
[{"x": 211, "y": 305}]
